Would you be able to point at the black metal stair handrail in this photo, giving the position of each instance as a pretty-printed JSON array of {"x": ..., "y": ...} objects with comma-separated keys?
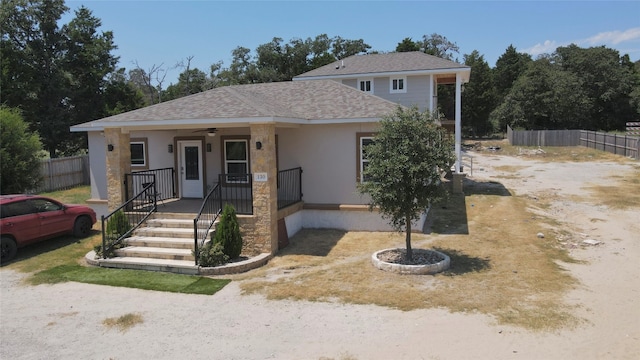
[
  {"x": 203, "y": 222},
  {"x": 116, "y": 228}
]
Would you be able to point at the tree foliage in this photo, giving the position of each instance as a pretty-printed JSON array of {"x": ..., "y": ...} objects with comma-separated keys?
[
  {"x": 56, "y": 75},
  {"x": 20, "y": 153},
  {"x": 405, "y": 166},
  {"x": 574, "y": 88},
  {"x": 407, "y": 45},
  {"x": 544, "y": 97},
  {"x": 509, "y": 67},
  {"x": 121, "y": 94},
  {"x": 279, "y": 61},
  {"x": 478, "y": 98},
  {"x": 607, "y": 83}
]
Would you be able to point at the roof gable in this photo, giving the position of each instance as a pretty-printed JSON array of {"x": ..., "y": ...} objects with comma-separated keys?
[{"x": 397, "y": 62}]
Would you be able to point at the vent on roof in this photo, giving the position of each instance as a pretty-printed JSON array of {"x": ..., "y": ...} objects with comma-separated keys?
[{"x": 341, "y": 65}]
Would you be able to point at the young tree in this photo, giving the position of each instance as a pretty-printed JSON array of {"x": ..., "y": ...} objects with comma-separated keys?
[
  {"x": 405, "y": 164},
  {"x": 19, "y": 154}
]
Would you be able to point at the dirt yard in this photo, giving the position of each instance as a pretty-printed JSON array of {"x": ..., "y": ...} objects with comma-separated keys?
[{"x": 595, "y": 211}]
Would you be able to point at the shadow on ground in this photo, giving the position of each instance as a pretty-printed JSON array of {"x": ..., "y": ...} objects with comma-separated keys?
[
  {"x": 46, "y": 246},
  {"x": 473, "y": 187},
  {"x": 448, "y": 217},
  {"x": 316, "y": 243},
  {"x": 462, "y": 263}
]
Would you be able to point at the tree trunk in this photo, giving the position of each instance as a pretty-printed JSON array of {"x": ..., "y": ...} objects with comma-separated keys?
[{"x": 409, "y": 255}]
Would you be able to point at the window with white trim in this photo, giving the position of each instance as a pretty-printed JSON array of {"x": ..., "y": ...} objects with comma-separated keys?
[
  {"x": 398, "y": 85},
  {"x": 139, "y": 153},
  {"x": 366, "y": 85},
  {"x": 236, "y": 160},
  {"x": 364, "y": 139}
]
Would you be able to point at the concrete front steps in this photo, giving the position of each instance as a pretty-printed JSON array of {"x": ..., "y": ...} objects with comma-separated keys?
[{"x": 165, "y": 243}]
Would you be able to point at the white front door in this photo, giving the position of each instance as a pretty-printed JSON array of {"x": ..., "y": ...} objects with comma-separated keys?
[{"x": 190, "y": 167}]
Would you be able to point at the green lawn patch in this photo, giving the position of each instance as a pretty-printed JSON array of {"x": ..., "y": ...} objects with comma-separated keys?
[{"x": 146, "y": 280}]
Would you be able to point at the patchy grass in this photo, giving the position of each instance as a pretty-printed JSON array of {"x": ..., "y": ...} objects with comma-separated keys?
[
  {"x": 76, "y": 195},
  {"x": 124, "y": 322},
  {"x": 499, "y": 266},
  {"x": 146, "y": 280},
  {"x": 551, "y": 153},
  {"x": 622, "y": 193}
]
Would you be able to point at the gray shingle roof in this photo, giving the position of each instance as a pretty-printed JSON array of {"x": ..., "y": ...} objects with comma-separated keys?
[
  {"x": 282, "y": 101},
  {"x": 383, "y": 63}
]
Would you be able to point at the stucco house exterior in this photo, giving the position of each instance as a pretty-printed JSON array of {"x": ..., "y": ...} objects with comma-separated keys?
[{"x": 316, "y": 123}]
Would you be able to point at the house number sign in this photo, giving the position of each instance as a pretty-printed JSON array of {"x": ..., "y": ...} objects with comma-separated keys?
[{"x": 260, "y": 177}]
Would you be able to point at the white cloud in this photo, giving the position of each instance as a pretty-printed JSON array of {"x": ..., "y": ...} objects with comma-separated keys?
[
  {"x": 607, "y": 38},
  {"x": 613, "y": 37},
  {"x": 548, "y": 46}
]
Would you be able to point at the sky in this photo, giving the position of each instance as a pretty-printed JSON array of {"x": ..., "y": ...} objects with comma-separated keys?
[{"x": 164, "y": 33}]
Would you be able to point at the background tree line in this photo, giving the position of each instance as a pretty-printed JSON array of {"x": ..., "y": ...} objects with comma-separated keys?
[{"x": 58, "y": 76}]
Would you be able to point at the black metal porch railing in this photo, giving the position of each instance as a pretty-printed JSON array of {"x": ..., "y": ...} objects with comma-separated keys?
[
  {"x": 121, "y": 222},
  {"x": 163, "y": 179},
  {"x": 289, "y": 187},
  {"x": 202, "y": 224},
  {"x": 237, "y": 190}
]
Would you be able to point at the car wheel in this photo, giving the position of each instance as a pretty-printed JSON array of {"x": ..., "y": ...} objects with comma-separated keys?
[
  {"x": 8, "y": 249},
  {"x": 82, "y": 227}
]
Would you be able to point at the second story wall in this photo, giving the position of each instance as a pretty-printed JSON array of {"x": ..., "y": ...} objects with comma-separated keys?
[{"x": 416, "y": 90}]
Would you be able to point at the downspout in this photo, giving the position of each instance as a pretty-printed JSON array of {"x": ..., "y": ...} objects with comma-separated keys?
[{"x": 432, "y": 95}]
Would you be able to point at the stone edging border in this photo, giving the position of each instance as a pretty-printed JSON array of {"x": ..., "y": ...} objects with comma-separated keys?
[{"x": 411, "y": 269}]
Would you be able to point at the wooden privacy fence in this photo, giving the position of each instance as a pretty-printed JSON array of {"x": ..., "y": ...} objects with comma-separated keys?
[
  {"x": 63, "y": 173},
  {"x": 614, "y": 143},
  {"x": 624, "y": 145},
  {"x": 543, "y": 137}
]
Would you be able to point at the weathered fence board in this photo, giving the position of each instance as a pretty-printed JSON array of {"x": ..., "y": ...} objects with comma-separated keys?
[
  {"x": 614, "y": 143},
  {"x": 543, "y": 137},
  {"x": 63, "y": 173}
]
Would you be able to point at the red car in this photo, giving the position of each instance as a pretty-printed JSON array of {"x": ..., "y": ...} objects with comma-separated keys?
[{"x": 26, "y": 219}]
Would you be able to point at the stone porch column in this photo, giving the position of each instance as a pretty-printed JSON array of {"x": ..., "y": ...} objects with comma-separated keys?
[
  {"x": 118, "y": 164},
  {"x": 265, "y": 186}
]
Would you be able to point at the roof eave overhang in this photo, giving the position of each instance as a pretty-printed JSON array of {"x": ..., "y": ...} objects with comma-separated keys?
[
  {"x": 134, "y": 125},
  {"x": 464, "y": 71}
]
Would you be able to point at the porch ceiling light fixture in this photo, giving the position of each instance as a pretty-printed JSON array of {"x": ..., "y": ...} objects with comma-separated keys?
[{"x": 210, "y": 131}]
